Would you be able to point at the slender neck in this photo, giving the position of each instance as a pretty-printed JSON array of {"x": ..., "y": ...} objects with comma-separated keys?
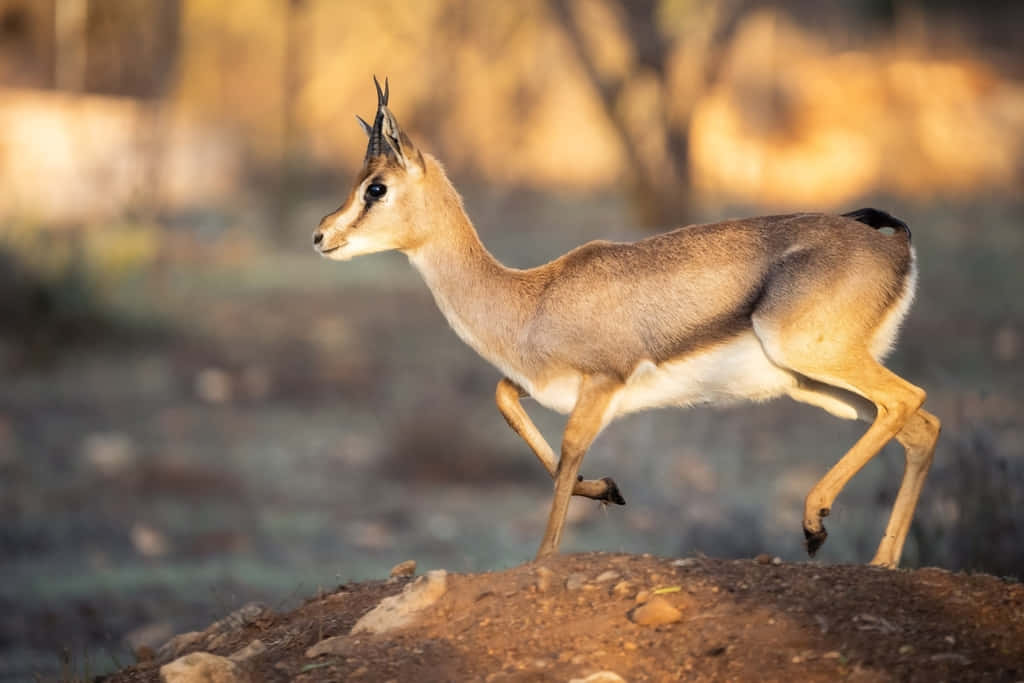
[{"x": 485, "y": 303}]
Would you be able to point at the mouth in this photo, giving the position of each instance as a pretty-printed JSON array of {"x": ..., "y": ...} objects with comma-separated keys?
[{"x": 336, "y": 247}]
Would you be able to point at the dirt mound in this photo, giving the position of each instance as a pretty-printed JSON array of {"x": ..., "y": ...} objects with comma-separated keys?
[{"x": 575, "y": 615}]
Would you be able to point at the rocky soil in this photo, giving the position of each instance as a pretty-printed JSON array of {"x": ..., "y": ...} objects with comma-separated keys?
[{"x": 610, "y": 617}]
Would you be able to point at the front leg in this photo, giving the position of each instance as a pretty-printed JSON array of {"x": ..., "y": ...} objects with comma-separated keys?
[
  {"x": 507, "y": 397},
  {"x": 594, "y": 409}
]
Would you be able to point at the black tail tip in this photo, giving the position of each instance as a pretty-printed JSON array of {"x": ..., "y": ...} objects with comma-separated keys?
[{"x": 877, "y": 219}]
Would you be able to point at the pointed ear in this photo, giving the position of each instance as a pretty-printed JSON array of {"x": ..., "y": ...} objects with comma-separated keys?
[{"x": 405, "y": 152}]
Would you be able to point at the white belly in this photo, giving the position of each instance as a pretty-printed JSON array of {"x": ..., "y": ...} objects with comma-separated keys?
[{"x": 735, "y": 371}]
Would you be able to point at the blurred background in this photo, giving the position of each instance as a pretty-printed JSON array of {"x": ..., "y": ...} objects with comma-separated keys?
[{"x": 197, "y": 411}]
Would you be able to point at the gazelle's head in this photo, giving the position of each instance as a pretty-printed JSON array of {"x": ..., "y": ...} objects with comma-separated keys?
[{"x": 382, "y": 209}]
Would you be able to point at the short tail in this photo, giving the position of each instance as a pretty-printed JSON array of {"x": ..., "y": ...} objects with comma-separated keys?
[{"x": 877, "y": 219}]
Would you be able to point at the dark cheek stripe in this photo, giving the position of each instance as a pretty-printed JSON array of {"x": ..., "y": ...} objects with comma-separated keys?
[{"x": 362, "y": 213}]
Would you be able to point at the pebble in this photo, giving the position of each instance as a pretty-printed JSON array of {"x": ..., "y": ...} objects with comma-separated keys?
[
  {"x": 575, "y": 581},
  {"x": 202, "y": 667},
  {"x": 400, "y": 610},
  {"x": 609, "y": 575},
  {"x": 684, "y": 562},
  {"x": 255, "y": 647},
  {"x": 403, "y": 569},
  {"x": 906, "y": 649},
  {"x": 600, "y": 677},
  {"x": 832, "y": 654},
  {"x": 763, "y": 558},
  {"x": 336, "y": 645},
  {"x": 655, "y": 612},
  {"x": 622, "y": 589},
  {"x": 178, "y": 644},
  {"x": 643, "y": 596},
  {"x": 243, "y": 616}
]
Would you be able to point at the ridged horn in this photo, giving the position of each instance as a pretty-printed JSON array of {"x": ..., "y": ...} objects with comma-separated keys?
[{"x": 377, "y": 146}]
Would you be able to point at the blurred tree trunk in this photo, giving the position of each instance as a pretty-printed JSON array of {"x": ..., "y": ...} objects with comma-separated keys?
[
  {"x": 660, "y": 189},
  {"x": 70, "y": 43}
]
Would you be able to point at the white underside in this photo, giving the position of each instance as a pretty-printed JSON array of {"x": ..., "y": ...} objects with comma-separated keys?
[{"x": 735, "y": 371}]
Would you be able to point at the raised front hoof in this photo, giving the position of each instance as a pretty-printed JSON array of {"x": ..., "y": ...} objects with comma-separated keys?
[
  {"x": 814, "y": 539},
  {"x": 612, "y": 494},
  {"x": 603, "y": 490}
]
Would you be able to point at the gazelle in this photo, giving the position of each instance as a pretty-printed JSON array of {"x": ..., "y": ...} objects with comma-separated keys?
[{"x": 801, "y": 305}]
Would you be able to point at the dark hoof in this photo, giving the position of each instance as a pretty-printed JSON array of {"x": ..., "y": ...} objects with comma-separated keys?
[
  {"x": 612, "y": 495},
  {"x": 814, "y": 539}
]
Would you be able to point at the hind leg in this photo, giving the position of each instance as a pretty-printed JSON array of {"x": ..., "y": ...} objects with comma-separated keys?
[
  {"x": 895, "y": 399},
  {"x": 918, "y": 437}
]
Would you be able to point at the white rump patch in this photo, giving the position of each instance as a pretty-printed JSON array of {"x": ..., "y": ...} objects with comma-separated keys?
[{"x": 885, "y": 337}]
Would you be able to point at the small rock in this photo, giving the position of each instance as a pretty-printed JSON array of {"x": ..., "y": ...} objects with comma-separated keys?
[
  {"x": 202, "y": 667},
  {"x": 338, "y": 645},
  {"x": 643, "y": 596},
  {"x": 544, "y": 578},
  {"x": 684, "y": 562},
  {"x": 403, "y": 569},
  {"x": 655, "y": 612},
  {"x": 906, "y": 649},
  {"x": 575, "y": 581},
  {"x": 243, "y": 616},
  {"x": 609, "y": 575},
  {"x": 832, "y": 654},
  {"x": 629, "y": 645},
  {"x": 219, "y": 640},
  {"x": 797, "y": 659},
  {"x": 178, "y": 644},
  {"x": 776, "y": 560},
  {"x": 399, "y": 610},
  {"x": 763, "y": 558},
  {"x": 622, "y": 589},
  {"x": 254, "y": 648},
  {"x": 600, "y": 677}
]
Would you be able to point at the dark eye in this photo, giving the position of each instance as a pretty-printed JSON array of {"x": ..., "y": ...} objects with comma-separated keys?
[{"x": 376, "y": 191}]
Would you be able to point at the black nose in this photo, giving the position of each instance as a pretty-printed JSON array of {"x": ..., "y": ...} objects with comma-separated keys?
[{"x": 318, "y": 238}]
